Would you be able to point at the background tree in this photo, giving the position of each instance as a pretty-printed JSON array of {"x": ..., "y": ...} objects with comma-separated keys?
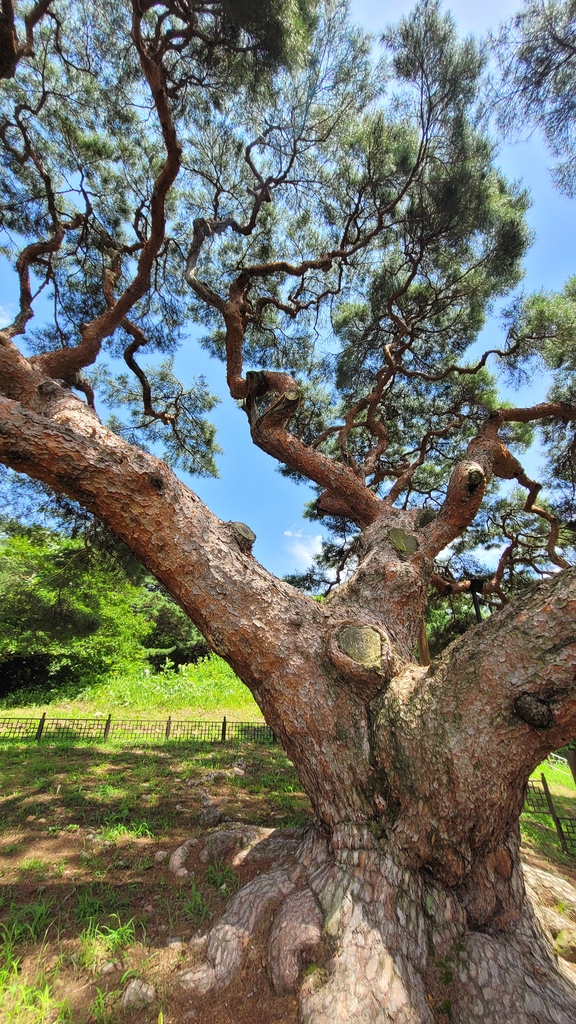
[
  {"x": 67, "y": 617},
  {"x": 537, "y": 53},
  {"x": 157, "y": 171},
  {"x": 75, "y": 605}
]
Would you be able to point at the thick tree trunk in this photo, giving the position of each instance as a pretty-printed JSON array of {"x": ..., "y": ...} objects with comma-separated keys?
[{"x": 409, "y": 891}]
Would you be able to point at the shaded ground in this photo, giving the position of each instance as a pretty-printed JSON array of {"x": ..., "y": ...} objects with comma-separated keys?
[{"x": 85, "y": 905}]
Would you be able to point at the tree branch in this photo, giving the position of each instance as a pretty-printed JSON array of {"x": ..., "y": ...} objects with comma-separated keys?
[
  {"x": 269, "y": 434},
  {"x": 10, "y": 51},
  {"x": 67, "y": 362},
  {"x": 488, "y": 456}
]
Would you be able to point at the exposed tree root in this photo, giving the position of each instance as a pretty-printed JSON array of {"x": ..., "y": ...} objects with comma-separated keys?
[
  {"x": 233, "y": 843},
  {"x": 177, "y": 862},
  {"x": 295, "y": 936},
  {"x": 382, "y": 944},
  {"x": 231, "y": 934}
]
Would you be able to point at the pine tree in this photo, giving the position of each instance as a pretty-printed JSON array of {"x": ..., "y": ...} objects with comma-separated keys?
[{"x": 178, "y": 162}]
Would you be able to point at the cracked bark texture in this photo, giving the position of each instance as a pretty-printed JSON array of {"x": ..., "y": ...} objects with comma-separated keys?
[{"x": 365, "y": 940}]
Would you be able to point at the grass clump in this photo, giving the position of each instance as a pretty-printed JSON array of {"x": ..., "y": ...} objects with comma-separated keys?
[
  {"x": 222, "y": 877},
  {"x": 99, "y": 943},
  {"x": 195, "y": 907},
  {"x": 29, "y": 1002}
]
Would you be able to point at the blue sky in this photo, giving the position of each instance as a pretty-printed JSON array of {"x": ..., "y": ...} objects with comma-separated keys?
[{"x": 249, "y": 488}]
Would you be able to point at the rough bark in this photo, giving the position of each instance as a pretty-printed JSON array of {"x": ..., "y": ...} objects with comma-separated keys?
[
  {"x": 411, "y": 880},
  {"x": 364, "y": 939}
]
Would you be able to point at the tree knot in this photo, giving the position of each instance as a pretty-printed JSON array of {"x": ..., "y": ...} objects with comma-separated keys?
[
  {"x": 533, "y": 710},
  {"x": 244, "y": 536},
  {"x": 363, "y": 653},
  {"x": 475, "y": 478},
  {"x": 363, "y": 644},
  {"x": 403, "y": 543}
]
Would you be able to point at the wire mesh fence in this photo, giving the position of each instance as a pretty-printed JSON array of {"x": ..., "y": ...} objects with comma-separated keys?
[
  {"x": 535, "y": 800},
  {"x": 568, "y": 826},
  {"x": 539, "y": 800},
  {"x": 136, "y": 730}
]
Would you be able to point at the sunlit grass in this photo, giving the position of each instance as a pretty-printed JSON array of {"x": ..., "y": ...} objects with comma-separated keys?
[
  {"x": 558, "y": 778},
  {"x": 208, "y": 689},
  {"x": 25, "y": 1002},
  {"x": 98, "y": 943},
  {"x": 538, "y": 830}
]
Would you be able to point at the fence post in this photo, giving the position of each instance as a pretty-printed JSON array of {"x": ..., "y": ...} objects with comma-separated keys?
[
  {"x": 553, "y": 813},
  {"x": 40, "y": 728},
  {"x": 107, "y": 727},
  {"x": 274, "y": 737},
  {"x": 168, "y": 728},
  {"x": 223, "y": 737}
]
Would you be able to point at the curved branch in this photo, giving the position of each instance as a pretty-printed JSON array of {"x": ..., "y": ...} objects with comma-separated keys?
[
  {"x": 66, "y": 362},
  {"x": 140, "y": 339},
  {"x": 454, "y": 368},
  {"x": 488, "y": 456},
  {"x": 446, "y": 585},
  {"x": 10, "y": 52},
  {"x": 544, "y": 410},
  {"x": 552, "y": 541},
  {"x": 269, "y": 434}
]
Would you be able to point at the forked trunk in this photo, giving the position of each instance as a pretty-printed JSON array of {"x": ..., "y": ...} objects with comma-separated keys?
[{"x": 408, "y": 892}]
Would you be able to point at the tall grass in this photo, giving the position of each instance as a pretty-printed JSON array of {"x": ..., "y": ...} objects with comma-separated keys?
[{"x": 210, "y": 686}]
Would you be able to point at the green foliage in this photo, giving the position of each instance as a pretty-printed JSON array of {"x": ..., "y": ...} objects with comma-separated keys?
[
  {"x": 78, "y": 610},
  {"x": 172, "y": 638},
  {"x": 537, "y": 53},
  {"x": 185, "y": 408},
  {"x": 65, "y": 607}
]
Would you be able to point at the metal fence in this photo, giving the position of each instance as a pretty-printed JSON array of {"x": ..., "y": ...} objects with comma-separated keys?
[
  {"x": 137, "y": 730},
  {"x": 538, "y": 796},
  {"x": 539, "y": 800}
]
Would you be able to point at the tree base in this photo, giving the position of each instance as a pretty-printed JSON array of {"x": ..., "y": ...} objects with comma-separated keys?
[{"x": 364, "y": 940}]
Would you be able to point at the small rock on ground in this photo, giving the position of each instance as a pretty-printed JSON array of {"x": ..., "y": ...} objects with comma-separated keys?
[
  {"x": 137, "y": 993},
  {"x": 209, "y": 817}
]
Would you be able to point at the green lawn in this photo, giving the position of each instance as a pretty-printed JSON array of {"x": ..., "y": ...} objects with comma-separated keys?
[
  {"x": 84, "y": 902},
  {"x": 538, "y": 830},
  {"x": 209, "y": 689}
]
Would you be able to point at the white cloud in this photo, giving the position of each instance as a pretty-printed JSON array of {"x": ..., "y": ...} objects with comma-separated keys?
[
  {"x": 6, "y": 315},
  {"x": 303, "y": 547}
]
